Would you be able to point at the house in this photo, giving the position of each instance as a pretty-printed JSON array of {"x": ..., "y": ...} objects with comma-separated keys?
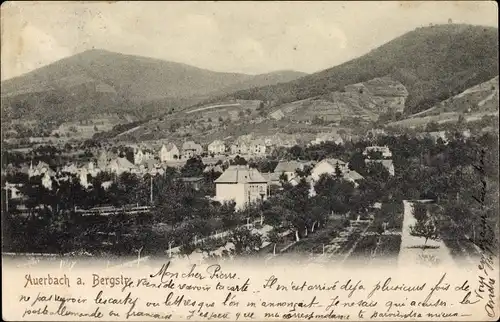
[
  {"x": 47, "y": 181},
  {"x": 242, "y": 184},
  {"x": 13, "y": 190},
  {"x": 273, "y": 179},
  {"x": 352, "y": 176},
  {"x": 239, "y": 147},
  {"x": 327, "y": 166},
  {"x": 191, "y": 149},
  {"x": 40, "y": 169},
  {"x": 169, "y": 152},
  {"x": 388, "y": 164},
  {"x": 217, "y": 147},
  {"x": 327, "y": 137},
  {"x": 258, "y": 147},
  {"x": 384, "y": 150},
  {"x": 288, "y": 168},
  {"x": 120, "y": 165},
  {"x": 103, "y": 160},
  {"x": 140, "y": 156}
]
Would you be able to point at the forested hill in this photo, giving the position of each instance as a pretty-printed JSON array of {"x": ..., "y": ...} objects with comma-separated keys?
[
  {"x": 100, "y": 81},
  {"x": 433, "y": 63}
]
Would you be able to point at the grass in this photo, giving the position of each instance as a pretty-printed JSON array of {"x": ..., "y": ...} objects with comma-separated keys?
[
  {"x": 314, "y": 241},
  {"x": 389, "y": 246}
]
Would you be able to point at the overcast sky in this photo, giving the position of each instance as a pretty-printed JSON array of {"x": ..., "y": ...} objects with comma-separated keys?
[{"x": 248, "y": 37}]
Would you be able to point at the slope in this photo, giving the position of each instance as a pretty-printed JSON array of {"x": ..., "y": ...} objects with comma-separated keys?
[{"x": 433, "y": 63}]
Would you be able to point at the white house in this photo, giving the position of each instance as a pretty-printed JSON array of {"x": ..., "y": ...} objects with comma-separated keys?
[
  {"x": 327, "y": 137},
  {"x": 40, "y": 169},
  {"x": 47, "y": 181},
  {"x": 241, "y": 184},
  {"x": 13, "y": 191},
  {"x": 120, "y": 165},
  {"x": 138, "y": 156},
  {"x": 85, "y": 171},
  {"x": 191, "y": 149},
  {"x": 239, "y": 147},
  {"x": 258, "y": 147},
  {"x": 217, "y": 147},
  {"x": 169, "y": 152},
  {"x": 327, "y": 166}
]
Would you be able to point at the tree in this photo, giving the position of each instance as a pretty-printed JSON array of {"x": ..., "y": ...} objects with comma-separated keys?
[
  {"x": 305, "y": 172},
  {"x": 239, "y": 161},
  {"x": 357, "y": 163},
  {"x": 193, "y": 167},
  {"x": 296, "y": 152},
  {"x": 283, "y": 178},
  {"x": 274, "y": 237},
  {"x": 245, "y": 241},
  {"x": 338, "y": 172},
  {"x": 424, "y": 227},
  {"x": 432, "y": 126}
]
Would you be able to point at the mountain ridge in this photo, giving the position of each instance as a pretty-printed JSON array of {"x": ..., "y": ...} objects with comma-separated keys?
[
  {"x": 119, "y": 80},
  {"x": 434, "y": 63}
]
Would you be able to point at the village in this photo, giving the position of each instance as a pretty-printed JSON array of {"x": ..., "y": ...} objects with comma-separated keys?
[{"x": 335, "y": 200}]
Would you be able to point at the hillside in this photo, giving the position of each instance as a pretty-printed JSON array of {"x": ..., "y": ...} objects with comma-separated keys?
[
  {"x": 98, "y": 81},
  {"x": 473, "y": 104},
  {"x": 272, "y": 78},
  {"x": 433, "y": 63},
  {"x": 360, "y": 102},
  {"x": 480, "y": 98}
]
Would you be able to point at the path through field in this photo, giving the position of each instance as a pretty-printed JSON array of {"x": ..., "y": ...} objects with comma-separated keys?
[{"x": 411, "y": 253}]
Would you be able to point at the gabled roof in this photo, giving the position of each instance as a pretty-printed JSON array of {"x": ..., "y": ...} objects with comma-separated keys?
[
  {"x": 258, "y": 142},
  {"x": 333, "y": 162},
  {"x": 241, "y": 174},
  {"x": 216, "y": 142},
  {"x": 124, "y": 163},
  {"x": 169, "y": 147},
  {"x": 288, "y": 166},
  {"x": 352, "y": 175}
]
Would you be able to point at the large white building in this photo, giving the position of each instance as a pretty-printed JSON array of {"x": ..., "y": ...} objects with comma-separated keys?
[
  {"x": 191, "y": 149},
  {"x": 258, "y": 147},
  {"x": 140, "y": 157},
  {"x": 239, "y": 147},
  {"x": 169, "y": 152},
  {"x": 217, "y": 147},
  {"x": 241, "y": 184}
]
